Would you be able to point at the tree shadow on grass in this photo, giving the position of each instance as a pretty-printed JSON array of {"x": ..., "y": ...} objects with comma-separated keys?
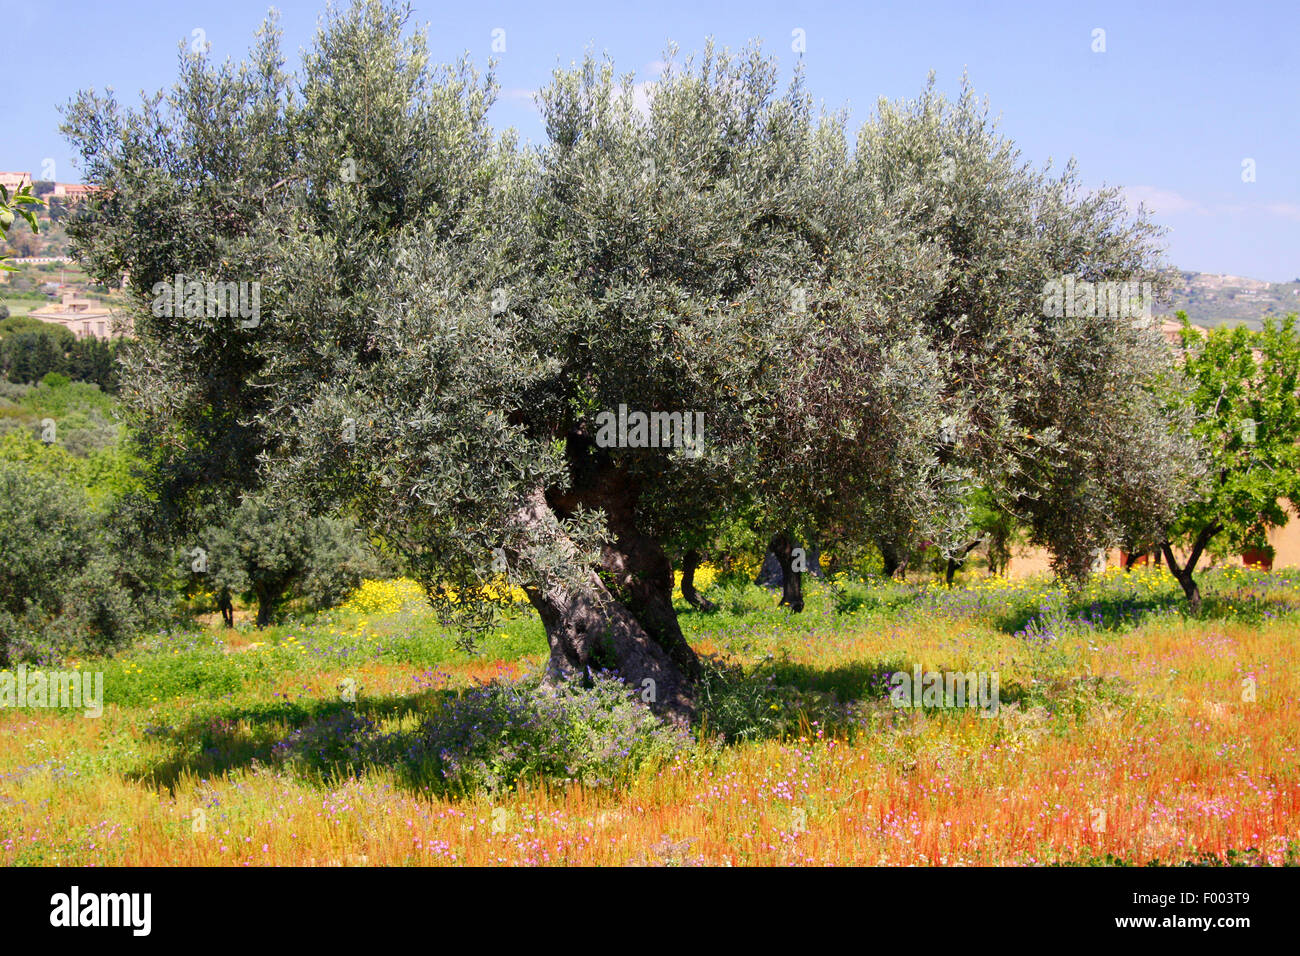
[
  {"x": 852, "y": 599},
  {"x": 1106, "y": 614},
  {"x": 491, "y": 737},
  {"x": 446, "y": 742},
  {"x": 781, "y": 699},
  {"x": 1248, "y": 606},
  {"x": 1250, "y": 603},
  {"x": 235, "y": 738},
  {"x": 854, "y": 680}
]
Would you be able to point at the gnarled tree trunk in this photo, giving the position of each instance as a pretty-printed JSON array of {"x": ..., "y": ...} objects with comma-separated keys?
[
  {"x": 591, "y": 630},
  {"x": 621, "y": 617},
  {"x": 1191, "y": 590},
  {"x": 769, "y": 572}
]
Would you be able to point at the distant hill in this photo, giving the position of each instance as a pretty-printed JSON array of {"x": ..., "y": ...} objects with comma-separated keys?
[
  {"x": 1211, "y": 300},
  {"x": 52, "y": 240}
]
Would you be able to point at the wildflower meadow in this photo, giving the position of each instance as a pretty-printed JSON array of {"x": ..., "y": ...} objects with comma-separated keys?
[{"x": 1127, "y": 732}]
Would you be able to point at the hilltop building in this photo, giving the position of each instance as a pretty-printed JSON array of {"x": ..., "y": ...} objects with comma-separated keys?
[
  {"x": 71, "y": 192},
  {"x": 68, "y": 192},
  {"x": 85, "y": 318}
]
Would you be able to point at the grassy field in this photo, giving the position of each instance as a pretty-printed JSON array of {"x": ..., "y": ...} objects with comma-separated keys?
[
  {"x": 1126, "y": 732},
  {"x": 20, "y": 307}
]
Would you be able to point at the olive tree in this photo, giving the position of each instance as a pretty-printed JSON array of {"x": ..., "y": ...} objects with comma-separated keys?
[
  {"x": 1051, "y": 373},
  {"x": 444, "y": 317},
  {"x": 558, "y": 365},
  {"x": 268, "y": 553},
  {"x": 942, "y": 367}
]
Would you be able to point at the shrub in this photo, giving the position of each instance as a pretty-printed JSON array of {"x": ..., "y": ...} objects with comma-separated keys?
[
  {"x": 497, "y": 735},
  {"x": 61, "y": 587},
  {"x": 738, "y": 705}
]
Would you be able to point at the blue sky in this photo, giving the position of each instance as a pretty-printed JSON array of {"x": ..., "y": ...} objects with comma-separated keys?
[{"x": 1183, "y": 94}]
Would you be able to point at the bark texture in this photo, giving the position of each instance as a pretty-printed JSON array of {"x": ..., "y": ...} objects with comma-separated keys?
[{"x": 621, "y": 617}]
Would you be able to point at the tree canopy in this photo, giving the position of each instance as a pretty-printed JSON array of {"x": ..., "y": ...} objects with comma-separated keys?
[
  {"x": 836, "y": 339},
  {"x": 1243, "y": 387}
]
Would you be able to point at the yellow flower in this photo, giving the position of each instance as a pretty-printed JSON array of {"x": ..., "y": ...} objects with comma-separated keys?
[{"x": 384, "y": 597}]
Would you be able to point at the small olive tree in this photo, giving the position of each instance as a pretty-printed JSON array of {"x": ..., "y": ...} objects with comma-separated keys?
[{"x": 267, "y": 554}]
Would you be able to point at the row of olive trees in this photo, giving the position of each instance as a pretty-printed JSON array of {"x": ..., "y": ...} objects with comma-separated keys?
[
  {"x": 1243, "y": 387},
  {"x": 446, "y": 318},
  {"x": 76, "y": 579},
  {"x": 80, "y": 576}
]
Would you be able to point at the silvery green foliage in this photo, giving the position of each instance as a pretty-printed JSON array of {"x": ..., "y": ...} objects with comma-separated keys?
[
  {"x": 856, "y": 410},
  {"x": 1062, "y": 419},
  {"x": 194, "y": 186},
  {"x": 673, "y": 236},
  {"x": 714, "y": 251},
  {"x": 267, "y": 553},
  {"x": 369, "y": 199}
]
